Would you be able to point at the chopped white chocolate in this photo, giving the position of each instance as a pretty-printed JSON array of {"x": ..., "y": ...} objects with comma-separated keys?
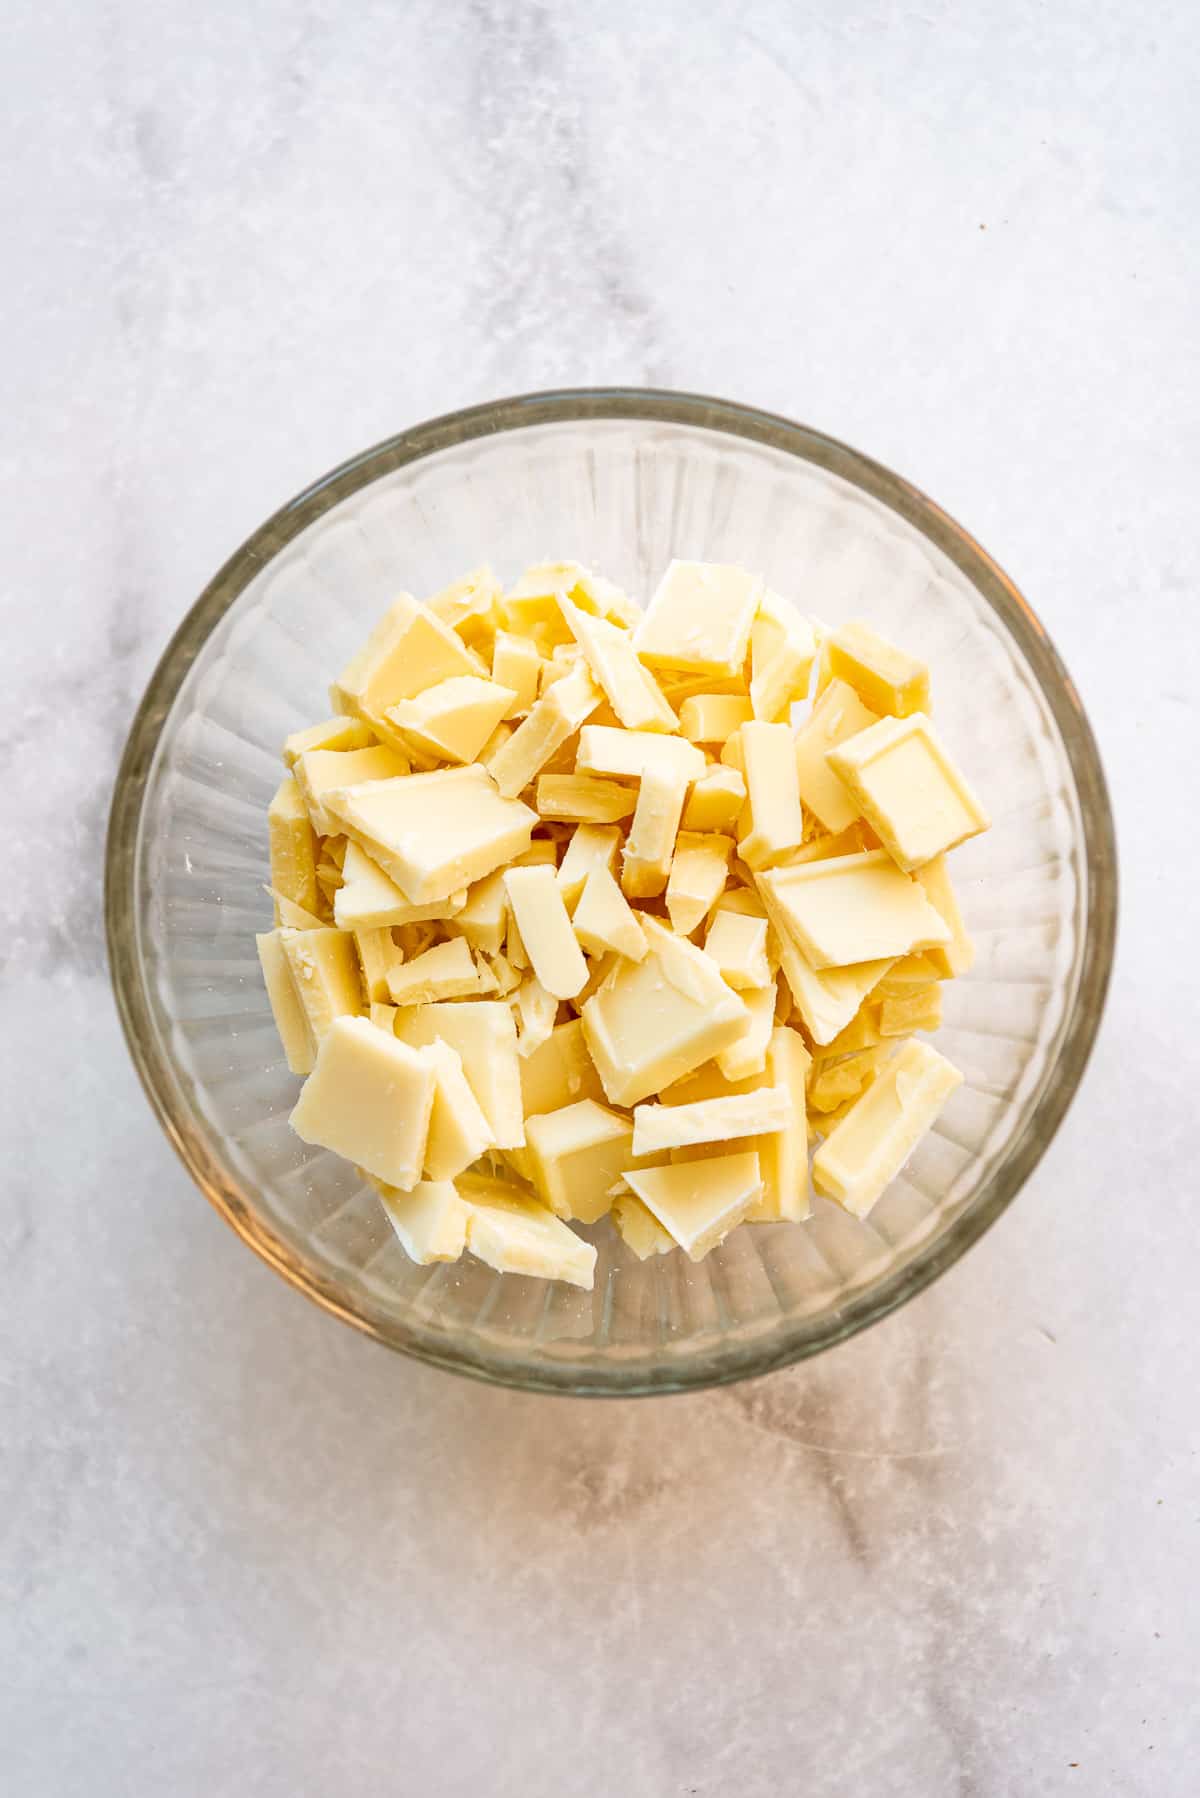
[
  {"x": 293, "y": 916},
  {"x": 347, "y": 690},
  {"x": 955, "y": 957},
  {"x": 545, "y": 928},
  {"x": 867, "y": 1149},
  {"x": 592, "y": 846},
  {"x": 630, "y": 688},
  {"x": 748, "y": 1055},
  {"x": 420, "y": 652},
  {"x": 920, "y": 1010},
  {"x": 321, "y": 771},
  {"x": 577, "y": 1155},
  {"x": 458, "y": 1130},
  {"x": 484, "y": 917},
  {"x": 293, "y": 846},
  {"x": 434, "y": 833},
  {"x": 378, "y": 954},
  {"x": 454, "y": 719},
  {"x": 658, "y": 1127},
  {"x": 558, "y": 714},
  {"x": 447, "y": 971},
  {"x": 783, "y": 1154},
  {"x": 342, "y": 732},
  {"x": 519, "y": 1236},
  {"x": 782, "y": 650},
  {"x": 583, "y": 798},
  {"x": 884, "y": 677},
  {"x": 646, "y": 861},
  {"x": 909, "y": 789},
  {"x": 834, "y": 1082},
  {"x": 368, "y": 1098},
  {"x": 826, "y": 1000},
  {"x": 773, "y": 825},
  {"x": 604, "y": 921},
  {"x": 716, "y": 800},
  {"x": 713, "y": 717},
  {"x": 291, "y": 1020},
  {"x": 383, "y": 1017},
  {"x": 368, "y": 900},
  {"x": 324, "y": 968},
  {"x": 699, "y": 869},
  {"x": 632, "y": 754},
  {"x": 431, "y": 1220},
  {"x": 559, "y": 1072},
  {"x": 469, "y": 607},
  {"x": 638, "y": 1228},
  {"x": 838, "y": 715},
  {"x": 483, "y": 1032},
  {"x": 699, "y": 1202},
  {"x": 535, "y": 1010},
  {"x": 699, "y": 619},
  {"x": 516, "y": 663},
  {"x": 737, "y": 942},
  {"x": 852, "y": 908}
]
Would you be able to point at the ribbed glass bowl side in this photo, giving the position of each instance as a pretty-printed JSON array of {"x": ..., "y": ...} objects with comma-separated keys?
[{"x": 622, "y": 493}]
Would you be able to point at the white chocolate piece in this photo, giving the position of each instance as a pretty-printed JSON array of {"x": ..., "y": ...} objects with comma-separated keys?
[
  {"x": 341, "y": 732},
  {"x": 737, "y": 942},
  {"x": 516, "y": 663},
  {"x": 368, "y": 1098},
  {"x": 773, "y": 825},
  {"x": 909, "y": 789},
  {"x": 559, "y": 1072},
  {"x": 430, "y": 1221},
  {"x": 921, "y": 1010},
  {"x": 591, "y": 846},
  {"x": 535, "y": 1010},
  {"x": 699, "y": 1202},
  {"x": 955, "y": 957},
  {"x": 853, "y": 908},
  {"x": 447, "y": 971},
  {"x": 576, "y": 1157},
  {"x": 537, "y": 906},
  {"x": 632, "y": 754},
  {"x": 351, "y": 684},
  {"x": 469, "y": 607},
  {"x": 415, "y": 652},
  {"x": 646, "y": 861},
  {"x": 383, "y": 1017},
  {"x": 867, "y": 1149},
  {"x": 484, "y": 917},
  {"x": 756, "y": 1113},
  {"x": 713, "y": 717},
  {"x": 747, "y": 1057},
  {"x": 321, "y": 771},
  {"x": 368, "y": 900},
  {"x": 838, "y": 715},
  {"x": 834, "y": 1083},
  {"x": 638, "y": 1228},
  {"x": 783, "y": 1154},
  {"x": 293, "y": 846},
  {"x": 630, "y": 689},
  {"x": 699, "y": 870},
  {"x": 716, "y": 800},
  {"x": 605, "y": 922},
  {"x": 378, "y": 954},
  {"x": 454, "y": 719},
  {"x": 458, "y": 1130},
  {"x": 434, "y": 833},
  {"x": 583, "y": 798},
  {"x": 519, "y": 1236},
  {"x": 782, "y": 651},
  {"x": 558, "y": 714},
  {"x": 886, "y": 678},
  {"x": 324, "y": 969},
  {"x": 291, "y": 915},
  {"x": 290, "y": 1019},
  {"x": 699, "y": 619},
  {"x": 483, "y": 1032}
]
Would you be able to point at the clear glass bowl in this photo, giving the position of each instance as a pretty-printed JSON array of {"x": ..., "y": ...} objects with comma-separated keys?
[{"x": 621, "y": 480}]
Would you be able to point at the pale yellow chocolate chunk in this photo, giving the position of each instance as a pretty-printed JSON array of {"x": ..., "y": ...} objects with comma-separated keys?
[
  {"x": 447, "y": 971},
  {"x": 713, "y": 717},
  {"x": 559, "y": 1072},
  {"x": 737, "y": 943},
  {"x": 605, "y": 922},
  {"x": 378, "y": 954},
  {"x": 646, "y": 861},
  {"x": 516, "y": 1235},
  {"x": 853, "y": 908},
  {"x": 342, "y": 732},
  {"x": 639, "y": 1229},
  {"x": 483, "y": 1032},
  {"x": 867, "y": 1149},
  {"x": 782, "y": 650},
  {"x": 454, "y": 719},
  {"x": 699, "y": 870},
  {"x": 321, "y": 771},
  {"x": 324, "y": 968},
  {"x": 346, "y": 692},
  {"x": 558, "y": 714},
  {"x": 430, "y": 1221},
  {"x": 469, "y": 606},
  {"x": 535, "y": 1010},
  {"x": 293, "y": 916},
  {"x": 368, "y": 900},
  {"x": 920, "y": 1010},
  {"x": 293, "y": 846},
  {"x": 591, "y": 846},
  {"x": 826, "y": 1000},
  {"x": 748, "y": 1055},
  {"x": 651, "y": 1022},
  {"x": 699, "y": 619},
  {"x": 658, "y": 1127},
  {"x": 632, "y": 754},
  {"x": 368, "y": 1098},
  {"x": 834, "y": 1082},
  {"x": 630, "y": 688},
  {"x": 583, "y": 798},
  {"x": 517, "y": 664},
  {"x": 837, "y": 716},
  {"x": 577, "y": 1155},
  {"x": 716, "y": 800},
  {"x": 458, "y": 1130},
  {"x": 955, "y": 957},
  {"x": 420, "y": 653},
  {"x": 909, "y": 789},
  {"x": 699, "y": 1202},
  {"x": 772, "y": 825},
  {"x": 885, "y": 678},
  {"x": 291, "y": 1020},
  {"x": 434, "y": 833},
  {"x": 484, "y": 918},
  {"x": 783, "y": 1154},
  {"x": 545, "y": 928},
  {"x": 383, "y": 1017}
]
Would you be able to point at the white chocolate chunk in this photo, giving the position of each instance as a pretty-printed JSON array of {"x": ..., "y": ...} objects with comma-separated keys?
[
  {"x": 716, "y": 800},
  {"x": 632, "y": 754},
  {"x": 454, "y": 719},
  {"x": 418, "y": 652},
  {"x": 699, "y": 619},
  {"x": 605, "y": 922},
  {"x": 782, "y": 650},
  {"x": 447, "y": 971},
  {"x": 516, "y": 663},
  {"x": 646, "y": 862},
  {"x": 783, "y": 1154},
  {"x": 591, "y": 846},
  {"x": 516, "y": 1235},
  {"x": 469, "y": 607},
  {"x": 756, "y": 1113},
  {"x": 342, "y": 732},
  {"x": 837, "y": 716},
  {"x": 324, "y": 969},
  {"x": 368, "y": 1098},
  {"x": 378, "y": 954},
  {"x": 431, "y": 1220},
  {"x": 853, "y": 908},
  {"x": 748, "y": 1055},
  {"x": 535, "y": 1010},
  {"x": 368, "y": 900},
  {"x": 909, "y": 789},
  {"x": 583, "y": 798},
  {"x": 458, "y": 1130},
  {"x": 886, "y": 678},
  {"x": 434, "y": 833},
  {"x": 484, "y": 917},
  {"x": 738, "y": 944},
  {"x": 291, "y": 915},
  {"x": 699, "y": 1202},
  {"x": 321, "y": 771},
  {"x": 871, "y": 1143},
  {"x": 955, "y": 957},
  {"x": 557, "y": 715},
  {"x": 772, "y": 825},
  {"x": 638, "y": 1228},
  {"x": 293, "y": 846},
  {"x": 576, "y": 1157},
  {"x": 559, "y": 1072},
  {"x": 290, "y": 1018},
  {"x": 483, "y": 1033},
  {"x": 699, "y": 869},
  {"x": 545, "y": 928},
  {"x": 713, "y": 717},
  {"x": 630, "y": 689}
]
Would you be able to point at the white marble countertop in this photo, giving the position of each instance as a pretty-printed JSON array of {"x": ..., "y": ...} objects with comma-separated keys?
[{"x": 245, "y": 1551}]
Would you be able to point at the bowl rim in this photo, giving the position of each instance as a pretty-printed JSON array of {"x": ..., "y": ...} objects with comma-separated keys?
[{"x": 584, "y": 405}]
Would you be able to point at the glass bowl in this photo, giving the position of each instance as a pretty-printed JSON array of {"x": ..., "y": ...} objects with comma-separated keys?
[{"x": 620, "y": 480}]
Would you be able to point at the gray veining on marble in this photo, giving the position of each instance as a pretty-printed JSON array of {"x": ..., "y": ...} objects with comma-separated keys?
[{"x": 244, "y": 1551}]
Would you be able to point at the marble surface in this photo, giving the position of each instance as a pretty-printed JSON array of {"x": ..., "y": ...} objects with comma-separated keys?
[{"x": 244, "y": 1551}]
